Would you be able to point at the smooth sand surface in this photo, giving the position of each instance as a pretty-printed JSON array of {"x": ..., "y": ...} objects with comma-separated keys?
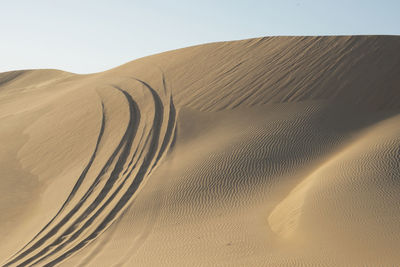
[{"x": 278, "y": 151}]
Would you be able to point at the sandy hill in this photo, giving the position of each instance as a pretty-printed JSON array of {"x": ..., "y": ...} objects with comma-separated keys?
[{"x": 278, "y": 151}]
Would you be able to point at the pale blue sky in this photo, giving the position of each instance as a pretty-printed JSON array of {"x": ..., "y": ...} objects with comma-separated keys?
[{"x": 94, "y": 35}]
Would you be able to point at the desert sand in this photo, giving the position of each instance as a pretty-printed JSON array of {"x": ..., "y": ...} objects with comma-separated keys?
[{"x": 277, "y": 151}]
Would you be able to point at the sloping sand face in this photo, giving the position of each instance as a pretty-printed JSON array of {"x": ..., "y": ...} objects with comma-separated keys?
[{"x": 273, "y": 151}]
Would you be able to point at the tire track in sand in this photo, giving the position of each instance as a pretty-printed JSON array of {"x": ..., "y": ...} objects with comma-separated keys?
[
  {"x": 151, "y": 158},
  {"x": 117, "y": 191}
]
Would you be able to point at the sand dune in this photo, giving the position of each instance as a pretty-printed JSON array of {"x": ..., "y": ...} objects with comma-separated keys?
[{"x": 278, "y": 151}]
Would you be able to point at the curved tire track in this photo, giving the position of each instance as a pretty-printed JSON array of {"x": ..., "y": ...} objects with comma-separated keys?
[{"x": 73, "y": 231}]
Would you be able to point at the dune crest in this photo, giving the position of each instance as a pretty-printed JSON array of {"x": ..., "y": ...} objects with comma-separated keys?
[{"x": 268, "y": 151}]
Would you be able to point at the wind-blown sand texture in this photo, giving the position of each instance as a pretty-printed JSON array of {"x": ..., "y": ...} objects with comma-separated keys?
[{"x": 278, "y": 151}]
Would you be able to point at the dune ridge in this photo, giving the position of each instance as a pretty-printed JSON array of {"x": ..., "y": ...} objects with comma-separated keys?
[{"x": 268, "y": 151}]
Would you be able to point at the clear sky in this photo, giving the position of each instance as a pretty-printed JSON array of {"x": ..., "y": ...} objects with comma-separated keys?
[{"x": 94, "y": 35}]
